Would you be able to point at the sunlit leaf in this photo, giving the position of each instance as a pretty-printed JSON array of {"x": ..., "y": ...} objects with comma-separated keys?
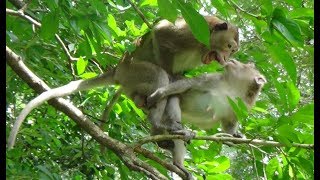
[
  {"x": 198, "y": 25},
  {"x": 287, "y": 27},
  {"x": 81, "y": 65},
  {"x": 280, "y": 54},
  {"x": 167, "y": 10}
]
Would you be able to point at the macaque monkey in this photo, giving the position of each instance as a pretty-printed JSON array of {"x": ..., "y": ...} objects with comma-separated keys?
[
  {"x": 203, "y": 99},
  {"x": 173, "y": 47},
  {"x": 161, "y": 56}
]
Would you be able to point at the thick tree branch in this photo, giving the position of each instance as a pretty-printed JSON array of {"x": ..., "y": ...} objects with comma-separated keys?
[
  {"x": 222, "y": 139},
  {"x": 125, "y": 152},
  {"x": 165, "y": 164}
]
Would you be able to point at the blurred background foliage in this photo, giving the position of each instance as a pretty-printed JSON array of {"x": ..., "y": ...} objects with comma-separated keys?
[{"x": 276, "y": 35}]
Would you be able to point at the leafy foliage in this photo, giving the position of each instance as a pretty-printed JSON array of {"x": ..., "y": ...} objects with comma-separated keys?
[{"x": 276, "y": 35}]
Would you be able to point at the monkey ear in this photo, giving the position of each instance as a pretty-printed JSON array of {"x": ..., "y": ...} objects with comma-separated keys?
[
  {"x": 260, "y": 80},
  {"x": 220, "y": 26}
]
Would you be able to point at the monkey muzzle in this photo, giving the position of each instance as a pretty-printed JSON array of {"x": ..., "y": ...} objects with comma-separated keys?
[{"x": 213, "y": 55}]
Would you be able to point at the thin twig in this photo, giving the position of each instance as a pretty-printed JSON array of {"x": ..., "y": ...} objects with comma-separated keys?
[
  {"x": 254, "y": 162},
  {"x": 140, "y": 14},
  {"x": 97, "y": 64},
  {"x": 236, "y": 6},
  {"x": 38, "y": 24}
]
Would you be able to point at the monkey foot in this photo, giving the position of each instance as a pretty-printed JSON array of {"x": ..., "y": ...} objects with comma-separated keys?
[
  {"x": 188, "y": 135},
  {"x": 238, "y": 135},
  {"x": 188, "y": 174}
]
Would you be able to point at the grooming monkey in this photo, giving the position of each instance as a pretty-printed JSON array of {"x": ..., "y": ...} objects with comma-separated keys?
[{"x": 204, "y": 102}]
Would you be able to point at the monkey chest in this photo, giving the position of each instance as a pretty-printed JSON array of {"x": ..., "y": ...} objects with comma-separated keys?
[
  {"x": 186, "y": 60},
  {"x": 204, "y": 109}
]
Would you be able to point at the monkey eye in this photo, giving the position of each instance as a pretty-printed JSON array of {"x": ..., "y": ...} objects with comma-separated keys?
[{"x": 229, "y": 46}]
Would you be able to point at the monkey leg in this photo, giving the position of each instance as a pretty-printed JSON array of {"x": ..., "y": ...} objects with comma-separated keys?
[
  {"x": 155, "y": 115},
  {"x": 231, "y": 127},
  {"x": 172, "y": 119},
  {"x": 178, "y": 154}
]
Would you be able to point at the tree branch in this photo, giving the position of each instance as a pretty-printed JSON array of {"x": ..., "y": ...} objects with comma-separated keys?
[
  {"x": 221, "y": 139},
  {"x": 140, "y": 14},
  {"x": 123, "y": 151}
]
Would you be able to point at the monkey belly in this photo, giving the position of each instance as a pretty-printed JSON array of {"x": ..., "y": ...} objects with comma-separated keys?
[{"x": 204, "y": 109}]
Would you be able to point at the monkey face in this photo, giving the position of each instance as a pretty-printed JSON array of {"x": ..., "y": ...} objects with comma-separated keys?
[
  {"x": 244, "y": 72},
  {"x": 223, "y": 43}
]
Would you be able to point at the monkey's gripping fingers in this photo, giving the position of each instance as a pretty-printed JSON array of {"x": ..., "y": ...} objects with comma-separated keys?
[
  {"x": 155, "y": 97},
  {"x": 188, "y": 135}
]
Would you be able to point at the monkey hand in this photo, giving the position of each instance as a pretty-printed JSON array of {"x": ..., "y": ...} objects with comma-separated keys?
[{"x": 155, "y": 97}]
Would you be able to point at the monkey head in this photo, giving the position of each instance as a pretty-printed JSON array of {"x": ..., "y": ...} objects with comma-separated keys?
[
  {"x": 224, "y": 41},
  {"x": 244, "y": 73}
]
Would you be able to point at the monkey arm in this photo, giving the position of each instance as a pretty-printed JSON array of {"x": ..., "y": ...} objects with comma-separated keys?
[{"x": 203, "y": 82}]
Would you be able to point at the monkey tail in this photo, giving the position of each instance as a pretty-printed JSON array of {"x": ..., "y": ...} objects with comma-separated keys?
[{"x": 72, "y": 87}]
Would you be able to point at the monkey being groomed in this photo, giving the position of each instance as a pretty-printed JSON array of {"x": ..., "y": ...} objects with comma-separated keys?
[{"x": 204, "y": 99}]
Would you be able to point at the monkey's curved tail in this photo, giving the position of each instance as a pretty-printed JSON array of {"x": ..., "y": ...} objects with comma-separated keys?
[{"x": 72, "y": 87}]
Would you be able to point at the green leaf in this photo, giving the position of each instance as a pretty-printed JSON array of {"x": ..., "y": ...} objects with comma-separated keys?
[
  {"x": 281, "y": 55},
  {"x": 288, "y": 132},
  {"x": 104, "y": 31},
  {"x": 266, "y": 7},
  {"x": 151, "y": 3},
  {"x": 198, "y": 25},
  {"x": 113, "y": 25},
  {"x": 289, "y": 29},
  {"x": 45, "y": 172},
  {"x": 167, "y": 10},
  {"x": 293, "y": 95},
  {"x": 81, "y": 65},
  {"x": 272, "y": 166},
  {"x": 284, "y": 140},
  {"x": 283, "y": 96},
  {"x": 49, "y": 25},
  {"x": 88, "y": 75},
  {"x": 90, "y": 42},
  {"x": 304, "y": 114},
  {"x": 218, "y": 165},
  {"x": 221, "y": 7},
  {"x": 239, "y": 108},
  {"x": 294, "y": 3},
  {"x": 301, "y": 13},
  {"x": 133, "y": 29}
]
